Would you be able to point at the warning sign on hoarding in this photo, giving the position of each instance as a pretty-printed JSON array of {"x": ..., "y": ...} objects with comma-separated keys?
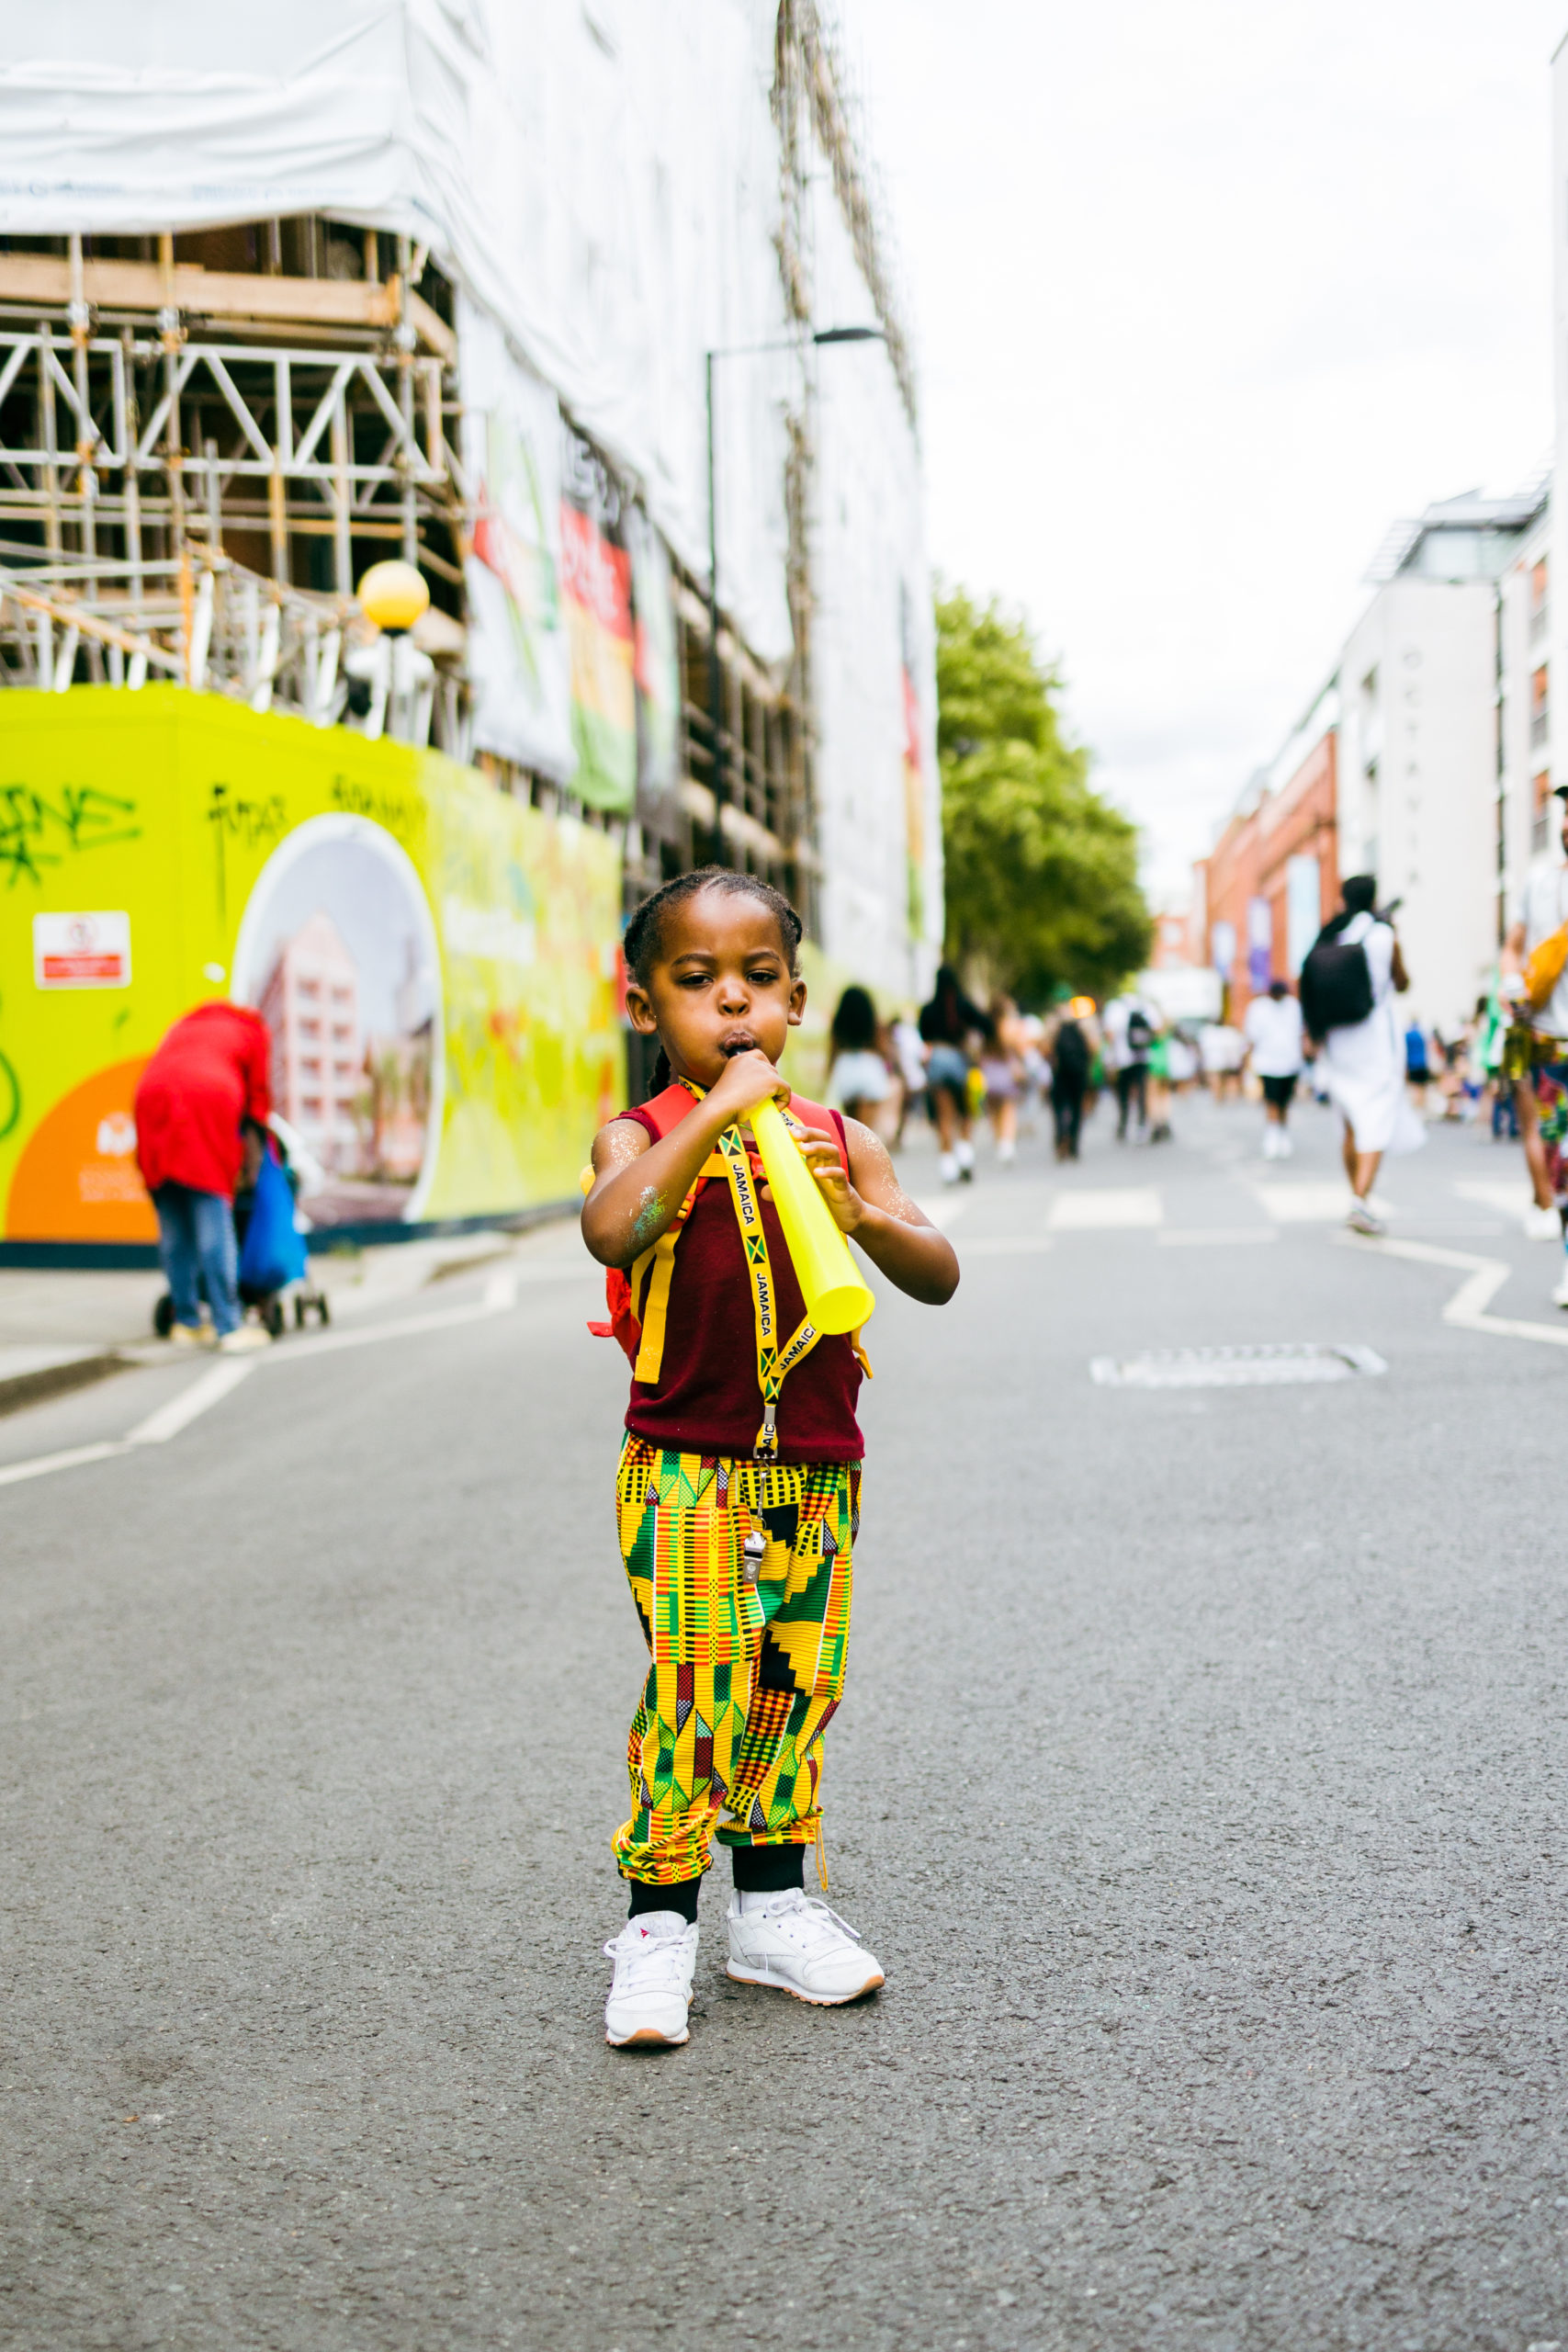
[{"x": 82, "y": 951}]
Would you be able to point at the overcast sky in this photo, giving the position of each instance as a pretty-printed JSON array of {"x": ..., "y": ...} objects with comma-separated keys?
[{"x": 1205, "y": 297}]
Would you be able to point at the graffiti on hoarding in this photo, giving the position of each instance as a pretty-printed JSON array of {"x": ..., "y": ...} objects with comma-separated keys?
[
  {"x": 399, "y": 812},
  {"x": 36, "y": 831},
  {"x": 250, "y": 824}
]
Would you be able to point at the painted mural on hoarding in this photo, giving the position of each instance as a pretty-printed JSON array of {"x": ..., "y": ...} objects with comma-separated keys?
[{"x": 436, "y": 962}]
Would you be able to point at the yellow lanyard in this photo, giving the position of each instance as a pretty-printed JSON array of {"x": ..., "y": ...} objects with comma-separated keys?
[{"x": 774, "y": 1364}]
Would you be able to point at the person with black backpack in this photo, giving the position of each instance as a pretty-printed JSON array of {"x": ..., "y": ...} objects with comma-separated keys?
[{"x": 1350, "y": 980}]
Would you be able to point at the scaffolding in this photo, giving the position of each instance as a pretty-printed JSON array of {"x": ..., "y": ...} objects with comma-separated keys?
[{"x": 195, "y": 465}]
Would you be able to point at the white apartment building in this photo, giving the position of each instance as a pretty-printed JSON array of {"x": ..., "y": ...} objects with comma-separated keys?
[
  {"x": 1421, "y": 802},
  {"x": 1525, "y": 828}
]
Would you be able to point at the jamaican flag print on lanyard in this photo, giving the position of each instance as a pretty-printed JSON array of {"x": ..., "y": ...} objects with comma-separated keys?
[{"x": 773, "y": 1362}]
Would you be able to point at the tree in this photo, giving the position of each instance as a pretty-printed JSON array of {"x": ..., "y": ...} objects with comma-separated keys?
[{"x": 1040, "y": 872}]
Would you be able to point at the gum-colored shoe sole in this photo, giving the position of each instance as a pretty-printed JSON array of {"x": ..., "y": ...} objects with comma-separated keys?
[
  {"x": 650, "y": 2039},
  {"x": 816, "y": 2000}
]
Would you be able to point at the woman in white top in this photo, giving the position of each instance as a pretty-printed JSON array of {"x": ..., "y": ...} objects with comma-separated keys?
[{"x": 1365, "y": 1059}]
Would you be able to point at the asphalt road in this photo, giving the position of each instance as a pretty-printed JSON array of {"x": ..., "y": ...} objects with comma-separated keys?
[{"x": 1200, "y": 1784}]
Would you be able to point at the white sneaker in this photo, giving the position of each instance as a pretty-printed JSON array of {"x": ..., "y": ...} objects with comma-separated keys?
[
  {"x": 654, "y": 1955},
  {"x": 1361, "y": 1220},
  {"x": 241, "y": 1342},
  {"x": 190, "y": 1335},
  {"x": 1559, "y": 1295},
  {"x": 1270, "y": 1143},
  {"x": 1542, "y": 1225},
  {"x": 948, "y": 1164},
  {"x": 965, "y": 1154},
  {"x": 793, "y": 1940},
  {"x": 1284, "y": 1147}
]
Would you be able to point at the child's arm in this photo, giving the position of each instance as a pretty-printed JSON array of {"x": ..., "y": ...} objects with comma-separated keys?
[
  {"x": 871, "y": 1204},
  {"x": 640, "y": 1184}
]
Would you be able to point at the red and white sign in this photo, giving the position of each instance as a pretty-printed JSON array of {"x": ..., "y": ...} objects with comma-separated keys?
[{"x": 82, "y": 951}]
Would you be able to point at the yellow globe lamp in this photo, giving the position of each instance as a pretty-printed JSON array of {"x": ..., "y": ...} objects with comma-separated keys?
[{"x": 393, "y": 596}]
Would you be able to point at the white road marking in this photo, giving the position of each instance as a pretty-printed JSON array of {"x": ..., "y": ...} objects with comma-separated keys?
[
  {"x": 169, "y": 1420},
  {"x": 1109, "y": 1208},
  {"x": 1484, "y": 1278},
  {"x": 1216, "y": 1236},
  {"x": 943, "y": 1212},
  {"x": 43, "y": 1463},
  {"x": 1497, "y": 1193},
  {"x": 220, "y": 1379},
  {"x": 1311, "y": 1203}
]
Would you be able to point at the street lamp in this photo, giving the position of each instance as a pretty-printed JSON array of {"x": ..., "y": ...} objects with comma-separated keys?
[{"x": 715, "y": 689}]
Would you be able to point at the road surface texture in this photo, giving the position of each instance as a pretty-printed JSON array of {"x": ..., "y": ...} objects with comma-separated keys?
[{"x": 1200, "y": 1783}]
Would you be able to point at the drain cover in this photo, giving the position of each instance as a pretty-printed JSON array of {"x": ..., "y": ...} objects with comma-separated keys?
[{"x": 1264, "y": 1367}]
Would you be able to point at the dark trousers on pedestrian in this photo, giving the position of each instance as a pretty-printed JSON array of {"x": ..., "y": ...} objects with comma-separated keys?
[
  {"x": 1131, "y": 1085},
  {"x": 1066, "y": 1112},
  {"x": 196, "y": 1242}
]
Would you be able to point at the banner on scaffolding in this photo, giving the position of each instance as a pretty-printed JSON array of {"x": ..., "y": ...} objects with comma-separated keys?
[
  {"x": 597, "y": 592},
  {"x": 436, "y": 961},
  {"x": 519, "y": 656}
]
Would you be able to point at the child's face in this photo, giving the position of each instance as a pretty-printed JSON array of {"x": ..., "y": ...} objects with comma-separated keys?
[{"x": 721, "y": 985}]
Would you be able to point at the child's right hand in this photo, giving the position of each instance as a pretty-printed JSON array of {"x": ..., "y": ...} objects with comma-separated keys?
[{"x": 749, "y": 1080}]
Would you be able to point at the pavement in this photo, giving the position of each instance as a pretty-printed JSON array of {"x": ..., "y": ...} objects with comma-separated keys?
[{"x": 1199, "y": 1784}]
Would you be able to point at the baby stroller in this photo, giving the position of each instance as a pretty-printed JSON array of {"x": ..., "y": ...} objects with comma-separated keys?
[{"x": 268, "y": 1301}]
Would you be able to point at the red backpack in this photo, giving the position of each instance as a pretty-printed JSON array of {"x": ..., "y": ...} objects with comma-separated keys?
[{"x": 667, "y": 1111}]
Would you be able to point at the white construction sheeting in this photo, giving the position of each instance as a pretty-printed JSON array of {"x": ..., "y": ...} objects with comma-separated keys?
[{"x": 604, "y": 180}]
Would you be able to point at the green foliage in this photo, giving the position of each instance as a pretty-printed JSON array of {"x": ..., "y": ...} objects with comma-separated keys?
[{"x": 1040, "y": 873}]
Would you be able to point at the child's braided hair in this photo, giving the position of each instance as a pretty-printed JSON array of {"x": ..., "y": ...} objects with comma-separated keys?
[{"x": 644, "y": 939}]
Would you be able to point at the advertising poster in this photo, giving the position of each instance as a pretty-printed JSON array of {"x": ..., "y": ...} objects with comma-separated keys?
[
  {"x": 1260, "y": 946},
  {"x": 596, "y": 591},
  {"x": 435, "y": 961},
  {"x": 519, "y": 655},
  {"x": 656, "y": 664}
]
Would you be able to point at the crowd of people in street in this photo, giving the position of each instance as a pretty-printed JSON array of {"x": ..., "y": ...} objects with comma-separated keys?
[{"x": 1341, "y": 1035}]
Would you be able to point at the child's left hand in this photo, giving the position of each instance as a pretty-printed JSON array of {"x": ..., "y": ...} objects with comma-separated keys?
[{"x": 821, "y": 1152}]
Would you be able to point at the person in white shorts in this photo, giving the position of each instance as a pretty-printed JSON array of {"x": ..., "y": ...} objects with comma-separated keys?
[{"x": 1272, "y": 1027}]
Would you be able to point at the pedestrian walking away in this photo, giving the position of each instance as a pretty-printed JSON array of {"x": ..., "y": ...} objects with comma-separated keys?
[
  {"x": 859, "y": 1080},
  {"x": 1272, "y": 1027},
  {"x": 206, "y": 1081},
  {"x": 1070, "y": 1056},
  {"x": 949, "y": 1024},
  {"x": 1128, "y": 1027},
  {"x": 738, "y": 1495},
  {"x": 1350, "y": 980},
  {"x": 1534, "y": 983},
  {"x": 1001, "y": 1067}
]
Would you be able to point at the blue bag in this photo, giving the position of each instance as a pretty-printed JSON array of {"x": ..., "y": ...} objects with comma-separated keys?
[{"x": 273, "y": 1252}]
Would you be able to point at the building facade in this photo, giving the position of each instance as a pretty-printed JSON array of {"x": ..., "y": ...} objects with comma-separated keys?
[{"x": 552, "y": 304}]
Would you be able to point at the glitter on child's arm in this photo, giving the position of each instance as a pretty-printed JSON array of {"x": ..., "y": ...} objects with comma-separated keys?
[{"x": 653, "y": 1215}]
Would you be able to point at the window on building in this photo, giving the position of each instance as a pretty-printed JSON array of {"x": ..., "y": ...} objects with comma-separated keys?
[
  {"x": 1370, "y": 683},
  {"x": 1538, "y": 585},
  {"x": 1540, "y": 814},
  {"x": 1540, "y": 705}
]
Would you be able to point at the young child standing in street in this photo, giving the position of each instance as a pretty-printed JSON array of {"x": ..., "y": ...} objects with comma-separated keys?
[{"x": 738, "y": 1486}]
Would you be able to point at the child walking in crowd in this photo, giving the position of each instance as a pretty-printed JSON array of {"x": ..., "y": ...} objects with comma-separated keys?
[{"x": 738, "y": 1485}]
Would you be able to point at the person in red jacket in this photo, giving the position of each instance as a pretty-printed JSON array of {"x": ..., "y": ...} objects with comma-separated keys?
[{"x": 208, "y": 1077}]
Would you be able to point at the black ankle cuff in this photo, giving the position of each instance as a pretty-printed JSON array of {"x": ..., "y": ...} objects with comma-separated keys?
[
  {"x": 767, "y": 1869},
  {"x": 681, "y": 1897}
]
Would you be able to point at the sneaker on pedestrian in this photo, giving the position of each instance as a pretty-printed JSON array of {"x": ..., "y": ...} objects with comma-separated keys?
[
  {"x": 965, "y": 1154},
  {"x": 1542, "y": 1225},
  {"x": 1270, "y": 1143},
  {"x": 793, "y": 1940},
  {"x": 1559, "y": 1295},
  {"x": 1283, "y": 1146},
  {"x": 654, "y": 1955},
  {"x": 948, "y": 1164},
  {"x": 190, "y": 1335},
  {"x": 239, "y": 1342},
  {"x": 1361, "y": 1219}
]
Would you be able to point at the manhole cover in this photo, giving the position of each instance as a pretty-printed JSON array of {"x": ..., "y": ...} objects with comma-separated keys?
[{"x": 1264, "y": 1367}]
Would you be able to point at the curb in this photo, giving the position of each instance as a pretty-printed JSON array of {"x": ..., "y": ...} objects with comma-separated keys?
[{"x": 57, "y": 1380}]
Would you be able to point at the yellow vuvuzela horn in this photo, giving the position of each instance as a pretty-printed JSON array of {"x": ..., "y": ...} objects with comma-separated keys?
[{"x": 836, "y": 1298}]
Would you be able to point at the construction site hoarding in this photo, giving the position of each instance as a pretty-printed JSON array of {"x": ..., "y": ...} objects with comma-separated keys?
[{"x": 437, "y": 962}]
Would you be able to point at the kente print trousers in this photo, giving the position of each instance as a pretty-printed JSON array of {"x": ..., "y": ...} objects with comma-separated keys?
[{"x": 747, "y": 1657}]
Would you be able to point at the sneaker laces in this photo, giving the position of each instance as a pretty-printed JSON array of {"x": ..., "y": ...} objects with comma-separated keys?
[
  {"x": 647, "y": 1957},
  {"x": 819, "y": 1918}
]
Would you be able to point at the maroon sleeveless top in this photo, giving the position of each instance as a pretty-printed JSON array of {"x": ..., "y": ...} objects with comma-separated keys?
[{"x": 706, "y": 1399}]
